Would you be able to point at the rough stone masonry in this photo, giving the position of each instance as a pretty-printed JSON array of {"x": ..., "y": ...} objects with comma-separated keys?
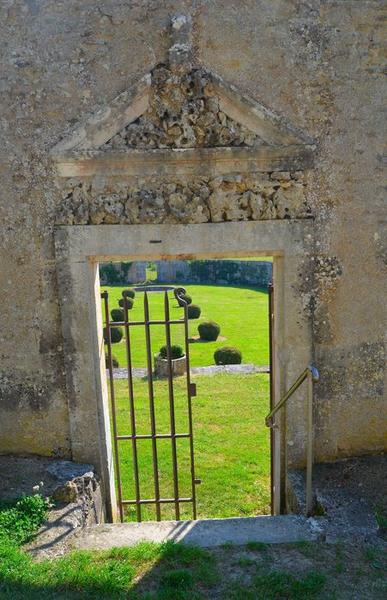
[{"x": 317, "y": 65}]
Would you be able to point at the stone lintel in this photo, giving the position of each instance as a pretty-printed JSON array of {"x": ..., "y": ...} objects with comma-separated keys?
[{"x": 185, "y": 162}]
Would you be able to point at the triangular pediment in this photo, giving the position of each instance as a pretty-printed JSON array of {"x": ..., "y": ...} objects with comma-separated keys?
[
  {"x": 179, "y": 107},
  {"x": 194, "y": 110}
]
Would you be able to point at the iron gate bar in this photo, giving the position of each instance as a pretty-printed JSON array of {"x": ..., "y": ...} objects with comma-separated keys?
[
  {"x": 105, "y": 296},
  {"x": 271, "y": 384},
  {"x": 152, "y": 407},
  {"x": 194, "y": 481},
  {"x": 171, "y": 407},
  {"x": 133, "y": 437}
]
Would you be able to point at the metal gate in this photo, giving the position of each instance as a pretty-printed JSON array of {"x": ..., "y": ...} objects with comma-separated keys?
[
  {"x": 154, "y": 435},
  {"x": 271, "y": 376}
]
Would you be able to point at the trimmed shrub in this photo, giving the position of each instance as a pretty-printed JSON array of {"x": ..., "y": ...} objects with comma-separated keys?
[
  {"x": 130, "y": 293},
  {"x": 227, "y": 355},
  {"x": 194, "y": 311},
  {"x": 176, "y": 352},
  {"x": 209, "y": 331},
  {"x": 129, "y": 302},
  {"x": 115, "y": 334},
  {"x": 115, "y": 362},
  {"x": 117, "y": 314},
  {"x": 186, "y": 298}
]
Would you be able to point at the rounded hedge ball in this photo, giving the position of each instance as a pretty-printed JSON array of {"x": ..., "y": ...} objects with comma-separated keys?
[
  {"x": 129, "y": 302},
  {"x": 117, "y": 314},
  {"x": 209, "y": 331},
  {"x": 176, "y": 352},
  {"x": 129, "y": 293},
  {"x": 115, "y": 334},
  {"x": 193, "y": 311},
  {"x": 227, "y": 355}
]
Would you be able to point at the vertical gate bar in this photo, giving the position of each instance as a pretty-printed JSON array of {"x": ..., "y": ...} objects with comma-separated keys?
[
  {"x": 171, "y": 407},
  {"x": 105, "y": 296},
  {"x": 271, "y": 383},
  {"x": 309, "y": 445},
  {"x": 190, "y": 420},
  {"x": 132, "y": 408},
  {"x": 152, "y": 406}
]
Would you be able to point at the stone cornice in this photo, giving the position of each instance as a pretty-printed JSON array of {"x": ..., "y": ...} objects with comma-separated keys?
[{"x": 190, "y": 161}]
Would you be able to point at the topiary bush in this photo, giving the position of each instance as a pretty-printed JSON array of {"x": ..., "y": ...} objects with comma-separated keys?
[
  {"x": 117, "y": 314},
  {"x": 184, "y": 299},
  {"x": 227, "y": 355},
  {"x": 115, "y": 362},
  {"x": 129, "y": 303},
  {"x": 130, "y": 293},
  {"x": 209, "y": 331},
  {"x": 194, "y": 311},
  {"x": 176, "y": 352},
  {"x": 115, "y": 334}
]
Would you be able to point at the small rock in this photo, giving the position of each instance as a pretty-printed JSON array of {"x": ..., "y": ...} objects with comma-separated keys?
[{"x": 66, "y": 493}]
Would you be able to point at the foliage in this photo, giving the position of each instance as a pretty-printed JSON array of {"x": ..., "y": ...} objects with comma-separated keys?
[
  {"x": 20, "y": 519},
  {"x": 227, "y": 355},
  {"x": 176, "y": 351},
  {"x": 117, "y": 314},
  {"x": 129, "y": 293},
  {"x": 114, "y": 273},
  {"x": 193, "y": 311},
  {"x": 209, "y": 331},
  {"x": 129, "y": 303},
  {"x": 115, "y": 334},
  {"x": 184, "y": 299}
]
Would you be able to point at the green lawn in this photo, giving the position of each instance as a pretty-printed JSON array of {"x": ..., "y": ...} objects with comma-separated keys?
[
  {"x": 241, "y": 312},
  {"x": 231, "y": 445}
]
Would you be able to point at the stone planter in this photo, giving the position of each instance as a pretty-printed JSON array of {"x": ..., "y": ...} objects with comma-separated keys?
[{"x": 179, "y": 366}]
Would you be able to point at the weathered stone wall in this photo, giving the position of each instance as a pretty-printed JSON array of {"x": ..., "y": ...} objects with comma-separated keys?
[{"x": 318, "y": 64}]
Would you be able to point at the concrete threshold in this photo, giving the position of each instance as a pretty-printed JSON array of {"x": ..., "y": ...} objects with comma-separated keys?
[{"x": 206, "y": 533}]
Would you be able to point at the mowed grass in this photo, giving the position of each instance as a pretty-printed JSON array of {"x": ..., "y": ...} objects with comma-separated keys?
[
  {"x": 241, "y": 313},
  {"x": 231, "y": 445}
]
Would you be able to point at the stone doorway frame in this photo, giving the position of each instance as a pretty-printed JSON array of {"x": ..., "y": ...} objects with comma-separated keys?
[{"x": 79, "y": 249}]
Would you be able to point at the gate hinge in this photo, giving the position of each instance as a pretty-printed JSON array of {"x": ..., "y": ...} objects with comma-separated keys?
[
  {"x": 192, "y": 389},
  {"x": 197, "y": 481}
]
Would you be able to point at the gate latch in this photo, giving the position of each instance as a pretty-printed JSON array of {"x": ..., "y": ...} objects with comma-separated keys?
[{"x": 192, "y": 389}]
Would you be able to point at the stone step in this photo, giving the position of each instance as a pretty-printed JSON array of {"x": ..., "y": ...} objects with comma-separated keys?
[{"x": 205, "y": 533}]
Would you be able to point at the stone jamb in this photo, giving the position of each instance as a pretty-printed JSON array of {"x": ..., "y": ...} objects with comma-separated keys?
[{"x": 79, "y": 249}]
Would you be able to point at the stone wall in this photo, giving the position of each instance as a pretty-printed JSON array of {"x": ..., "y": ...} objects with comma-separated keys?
[{"x": 318, "y": 65}]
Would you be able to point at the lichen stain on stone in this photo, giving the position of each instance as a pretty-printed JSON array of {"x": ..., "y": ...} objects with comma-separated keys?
[{"x": 355, "y": 371}]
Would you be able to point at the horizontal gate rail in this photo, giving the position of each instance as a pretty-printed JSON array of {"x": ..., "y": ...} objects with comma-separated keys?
[
  {"x": 134, "y": 437},
  {"x": 159, "y": 501},
  {"x": 131, "y": 323},
  {"x": 157, "y": 436}
]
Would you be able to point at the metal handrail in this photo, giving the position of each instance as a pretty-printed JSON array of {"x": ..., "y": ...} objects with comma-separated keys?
[{"x": 312, "y": 375}]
